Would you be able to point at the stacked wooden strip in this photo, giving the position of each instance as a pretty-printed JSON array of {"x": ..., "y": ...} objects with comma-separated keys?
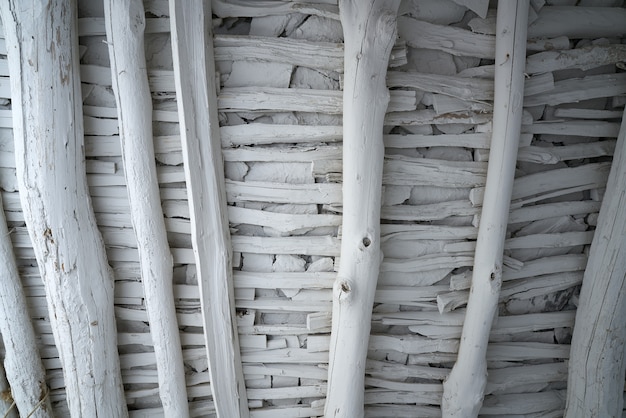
[{"x": 281, "y": 105}]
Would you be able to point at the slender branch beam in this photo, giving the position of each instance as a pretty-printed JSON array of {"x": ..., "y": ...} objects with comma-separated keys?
[
  {"x": 22, "y": 362},
  {"x": 48, "y": 129},
  {"x": 369, "y": 34},
  {"x": 464, "y": 389},
  {"x": 194, "y": 74},
  {"x": 595, "y": 383},
  {"x": 6, "y": 400},
  {"x": 125, "y": 23}
]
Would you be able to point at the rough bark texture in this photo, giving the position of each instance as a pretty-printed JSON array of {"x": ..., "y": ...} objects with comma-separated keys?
[
  {"x": 369, "y": 33},
  {"x": 595, "y": 383},
  {"x": 48, "y": 129},
  {"x": 22, "y": 362},
  {"x": 465, "y": 386},
  {"x": 194, "y": 71},
  {"x": 125, "y": 23}
]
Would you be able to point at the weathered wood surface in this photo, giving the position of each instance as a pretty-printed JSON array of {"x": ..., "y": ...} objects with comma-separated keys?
[
  {"x": 55, "y": 200},
  {"x": 204, "y": 175},
  {"x": 596, "y": 370},
  {"x": 22, "y": 362},
  {"x": 464, "y": 388},
  {"x": 248, "y": 8},
  {"x": 125, "y": 24},
  {"x": 369, "y": 34}
]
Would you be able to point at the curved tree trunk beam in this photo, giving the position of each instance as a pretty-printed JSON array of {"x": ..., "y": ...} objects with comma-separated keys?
[
  {"x": 595, "y": 384},
  {"x": 369, "y": 32},
  {"x": 194, "y": 73},
  {"x": 22, "y": 363},
  {"x": 125, "y": 22},
  {"x": 465, "y": 386},
  {"x": 50, "y": 162}
]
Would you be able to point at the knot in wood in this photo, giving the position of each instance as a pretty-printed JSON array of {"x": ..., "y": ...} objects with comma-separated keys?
[{"x": 343, "y": 290}]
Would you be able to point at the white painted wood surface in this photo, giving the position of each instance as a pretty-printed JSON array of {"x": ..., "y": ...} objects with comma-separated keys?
[
  {"x": 464, "y": 388},
  {"x": 48, "y": 129},
  {"x": 125, "y": 23},
  {"x": 595, "y": 385},
  {"x": 194, "y": 73},
  {"x": 22, "y": 362},
  {"x": 369, "y": 35}
]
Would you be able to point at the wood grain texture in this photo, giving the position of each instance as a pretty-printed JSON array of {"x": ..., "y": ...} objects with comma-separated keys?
[{"x": 48, "y": 130}]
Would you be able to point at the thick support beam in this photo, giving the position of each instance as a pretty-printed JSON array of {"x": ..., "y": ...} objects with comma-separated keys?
[
  {"x": 595, "y": 384},
  {"x": 22, "y": 363},
  {"x": 48, "y": 128},
  {"x": 369, "y": 31},
  {"x": 125, "y": 23},
  {"x": 464, "y": 388},
  {"x": 194, "y": 74}
]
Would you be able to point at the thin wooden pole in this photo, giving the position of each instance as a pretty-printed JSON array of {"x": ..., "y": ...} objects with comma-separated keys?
[
  {"x": 369, "y": 35},
  {"x": 125, "y": 23},
  {"x": 22, "y": 363},
  {"x": 595, "y": 384},
  {"x": 465, "y": 386},
  {"x": 194, "y": 73},
  {"x": 43, "y": 60}
]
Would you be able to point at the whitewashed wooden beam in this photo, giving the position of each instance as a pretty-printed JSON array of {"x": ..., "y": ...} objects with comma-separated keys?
[
  {"x": 592, "y": 128},
  {"x": 428, "y": 212},
  {"x": 456, "y": 41},
  {"x": 464, "y": 388},
  {"x": 124, "y": 20},
  {"x": 284, "y": 223},
  {"x": 429, "y": 116},
  {"x": 254, "y": 191},
  {"x": 254, "y": 8},
  {"x": 48, "y": 129},
  {"x": 400, "y": 170},
  {"x": 578, "y": 89},
  {"x": 369, "y": 35},
  {"x": 259, "y": 134},
  {"x": 553, "y": 155},
  {"x": 584, "y": 58},
  {"x": 463, "y": 88},
  {"x": 238, "y": 99},
  {"x": 204, "y": 174},
  {"x": 22, "y": 362},
  {"x": 241, "y": 99},
  {"x": 471, "y": 140},
  {"x": 313, "y": 245},
  {"x": 579, "y": 113},
  {"x": 291, "y": 154},
  {"x": 319, "y": 55},
  {"x": 596, "y": 370}
]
